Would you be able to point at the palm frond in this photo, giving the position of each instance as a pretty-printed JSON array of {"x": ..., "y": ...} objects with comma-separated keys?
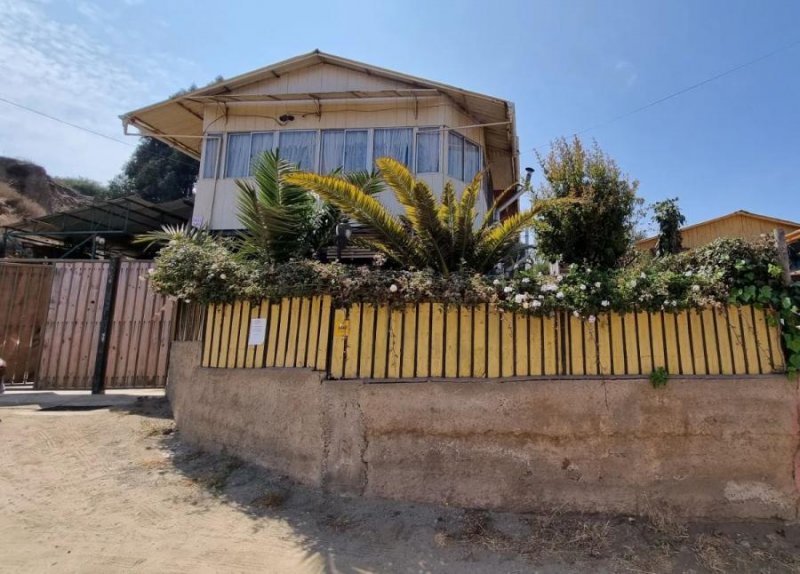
[
  {"x": 169, "y": 233},
  {"x": 497, "y": 242}
]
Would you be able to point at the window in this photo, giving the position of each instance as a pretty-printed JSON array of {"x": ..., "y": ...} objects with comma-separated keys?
[
  {"x": 343, "y": 149},
  {"x": 237, "y": 157},
  {"x": 260, "y": 143},
  {"x": 211, "y": 156},
  {"x": 428, "y": 150},
  {"x": 299, "y": 147},
  {"x": 463, "y": 157},
  {"x": 394, "y": 143}
]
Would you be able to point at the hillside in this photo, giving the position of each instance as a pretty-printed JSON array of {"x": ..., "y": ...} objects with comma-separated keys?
[{"x": 27, "y": 191}]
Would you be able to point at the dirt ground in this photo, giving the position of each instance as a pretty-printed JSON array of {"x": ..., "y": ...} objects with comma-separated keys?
[{"x": 113, "y": 489}]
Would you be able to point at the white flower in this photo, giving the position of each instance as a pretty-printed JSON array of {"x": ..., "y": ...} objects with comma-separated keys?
[
  {"x": 393, "y": 288},
  {"x": 536, "y": 304},
  {"x": 742, "y": 262},
  {"x": 559, "y": 278},
  {"x": 508, "y": 289},
  {"x": 582, "y": 287},
  {"x": 142, "y": 278},
  {"x": 223, "y": 276},
  {"x": 605, "y": 302},
  {"x": 688, "y": 273},
  {"x": 560, "y": 295},
  {"x": 632, "y": 282},
  {"x": 588, "y": 270},
  {"x": 519, "y": 298},
  {"x": 643, "y": 275},
  {"x": 597, "y": 285},
  {"x": 187, "y": 301},
  {"x": 695, "y": 288},
  {"x": 576, "y": 313},
  {"x": 527, "y": 266},
  {"x": 496, "y": 282},
  {"x": 151, "y": 270},
  {"x": 525, "y": 280},
  {"x": 674, "y": 302},
  {"x": 592, "y": 318},
  {"x": 525, "y": 305}
]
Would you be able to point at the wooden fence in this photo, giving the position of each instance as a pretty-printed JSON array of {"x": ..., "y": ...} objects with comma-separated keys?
[
  {"x": 433, "y": 340},
  {"x": 53, "y": 317}
]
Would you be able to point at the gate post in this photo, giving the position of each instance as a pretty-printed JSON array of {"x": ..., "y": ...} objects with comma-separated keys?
[{"x": 103, "y": 341}]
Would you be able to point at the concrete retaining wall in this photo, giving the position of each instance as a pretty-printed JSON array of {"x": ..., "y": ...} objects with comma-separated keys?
[{"x": 721, "y": 448}]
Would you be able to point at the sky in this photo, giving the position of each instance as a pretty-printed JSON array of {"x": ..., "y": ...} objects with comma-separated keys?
[{"x": 569, "y": 66}]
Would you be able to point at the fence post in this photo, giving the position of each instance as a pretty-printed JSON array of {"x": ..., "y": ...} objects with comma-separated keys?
[{"x": 103, "y": 341}]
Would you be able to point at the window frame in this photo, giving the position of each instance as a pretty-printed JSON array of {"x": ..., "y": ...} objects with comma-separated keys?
[
  {"x": 464, "y": 141},
  {"x": 428, "y": 129},
  {"x": 218, "y": 137}
]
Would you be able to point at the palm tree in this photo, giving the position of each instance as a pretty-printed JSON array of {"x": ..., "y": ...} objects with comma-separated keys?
[
  {"x": 441, "y": 235},
  {"x": 278, "y": 217}
]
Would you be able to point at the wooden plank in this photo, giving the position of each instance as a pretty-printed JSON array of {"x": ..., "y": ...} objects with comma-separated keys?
[
  {"x": 241, "y": 339},
  {"x": 395, "y": 342},
  {"x": 437, "y": 340},
  {"x": 210, "y": 311},
  {"x": 260, "y": 311},
  {"x": 575, "y": 339},
  {"x": 737, "y": 341},
  {"x": 724, "y": 340},
  {"x": 753, "y": 342},
  {"x": 88, "y": 343},
  {"x": 353, "y": 342},
  {"x": 645, "y": 353},
  {"x": 778, "y": 361},
  {"x": 536, "y": 345},
  {"x": 656, "y": 328},
  {"x": 339, "y": 342},
  {"x": 451, "y": 342},
  {"x": 277, "y": 317},
  {"x": 507, "y": 333},
  {"x": 409, "y": 356},
  {"x": 695, "y": 319},
  {"x": 366, "y": 341},
  {"x": 632, "y": 342},
  {"x": 479, "y": 341},
  {"x": 292, "y": 329},
  {"x": 313, "y": 332},
  {"x": 49, "y": 340},
  {"x": 711, "y": 346},
  {"x": 323, "y": 339},
  {"x": 672, "y": 349},
  {"x": 423, "y": 344},
  {"x": 521, "y": 361},
  {"x": 604, "y": 349},
  {"x": 493, "y": 366},
  {"x": 685, "y": 351},
  {"x": 303, "y": 332},
  {"x": 219, "y": 314},
  {"x": 590, "y": 347},
  {"x": 617, "y": 344}
]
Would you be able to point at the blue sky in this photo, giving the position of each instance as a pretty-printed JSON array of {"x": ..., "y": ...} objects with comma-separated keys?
[{"x": 567, "y": 65}]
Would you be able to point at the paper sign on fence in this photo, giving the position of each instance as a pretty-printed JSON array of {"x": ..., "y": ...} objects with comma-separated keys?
[{"x": 258, "y": 331}]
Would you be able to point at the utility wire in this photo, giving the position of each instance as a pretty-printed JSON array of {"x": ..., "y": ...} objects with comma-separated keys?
[{"x": 683, "y": 90}]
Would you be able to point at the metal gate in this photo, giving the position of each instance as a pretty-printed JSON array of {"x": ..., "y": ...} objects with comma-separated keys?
[{"x": 80, "y": 302}]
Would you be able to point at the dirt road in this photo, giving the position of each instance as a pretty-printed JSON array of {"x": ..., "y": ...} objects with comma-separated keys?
[{"x": 114, "y": 490}]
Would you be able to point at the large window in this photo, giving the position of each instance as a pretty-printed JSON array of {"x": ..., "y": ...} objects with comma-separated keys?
[
  {"x": 463, "y": 157},
  {"x": 237, "y": 156},
  {"x": 211, "y": 156},
  {"x": 299, "y": 148},
  {"x": 343, "y": 149},
  {"x": 428, "y": 150},
  {"x": 395, "y": 143}
]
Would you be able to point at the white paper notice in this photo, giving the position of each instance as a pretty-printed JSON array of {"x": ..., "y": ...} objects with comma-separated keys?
[{"x": 258, "y": 331}]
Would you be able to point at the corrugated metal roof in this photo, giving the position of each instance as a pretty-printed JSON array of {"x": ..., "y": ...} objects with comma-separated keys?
[{"x": 178, "y": 121}]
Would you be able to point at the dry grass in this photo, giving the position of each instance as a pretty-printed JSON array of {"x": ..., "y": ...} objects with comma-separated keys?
[
  {"x": 558, "y": 533},
  {"x": 152, "y": 428},
  {"x": 270, "y": 499},
  {"x": 663, "y": 524},
  {"x": 710, "y": 553},
  {"x": 15, "y": 206}
]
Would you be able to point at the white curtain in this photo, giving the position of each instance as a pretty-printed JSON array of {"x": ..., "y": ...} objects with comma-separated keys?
[
  {"x": 261, "y": 143},
  {"x": 394, "y": 143},
  {"x": 472, "y": 160},
  {"x": 298, "y": 147},
  {"x": 210, "y": 156},
  {"x": 332, "y": 151},
  {"x": 455, "y": 156},
  {"x": 427, "y": 151},
  {"x": 237, "y": 162},
  {"x": 355, "y": 151}
]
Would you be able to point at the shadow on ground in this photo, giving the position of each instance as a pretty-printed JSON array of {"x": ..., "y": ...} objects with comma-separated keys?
[{"x": 354, "y": 534}]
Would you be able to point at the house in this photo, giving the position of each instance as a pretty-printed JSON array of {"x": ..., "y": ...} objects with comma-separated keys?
[
  {"x": 737, "y": 224},
  {"x": 325, "y": 112},
  {"x": 793, "y": 244}
]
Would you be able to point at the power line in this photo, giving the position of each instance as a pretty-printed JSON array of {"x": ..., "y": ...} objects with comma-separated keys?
[
  {"x": 180, "y": 160},
  {"x": 683, "y": 90}
]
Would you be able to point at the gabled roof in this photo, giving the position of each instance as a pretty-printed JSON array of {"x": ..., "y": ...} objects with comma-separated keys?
[
  {"x": 740, "y": 213},
  {"x": 178, "y": 121}
]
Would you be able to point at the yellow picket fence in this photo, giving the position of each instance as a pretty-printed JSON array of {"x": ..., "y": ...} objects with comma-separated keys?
[{"x": 438, "y": 341}]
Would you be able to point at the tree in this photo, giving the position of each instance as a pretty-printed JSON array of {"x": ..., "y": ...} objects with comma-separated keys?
[
  {"x": 597, "y": 227},
  {"x": 156, "y": 172},
  {"x": 85, "y": 186},
  {"x": 669, "y": 218},
  {"x": 440, "y": 235}
]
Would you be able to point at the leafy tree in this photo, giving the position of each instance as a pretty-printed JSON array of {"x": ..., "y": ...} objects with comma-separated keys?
[
  {"x": 85, "y": 186},
  {"x": 597, "y": 227},
  {"x": 669, "y": 218},
  {"x": 440, "y": 235},
  {"x": 156, "y": 172}
]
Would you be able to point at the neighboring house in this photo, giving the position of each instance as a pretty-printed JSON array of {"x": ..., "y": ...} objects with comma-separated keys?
[
  {"x": 324, "y": 112},
  {"x": 793, "y": 243},
  {"x": 737, "y": 224}
]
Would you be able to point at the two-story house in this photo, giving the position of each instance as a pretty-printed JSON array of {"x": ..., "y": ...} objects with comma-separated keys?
[{"x": 324, "y": 112}]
